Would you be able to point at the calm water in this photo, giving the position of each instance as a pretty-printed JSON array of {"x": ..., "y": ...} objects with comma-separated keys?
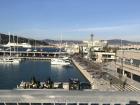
[{"x": 11, "y": 75}]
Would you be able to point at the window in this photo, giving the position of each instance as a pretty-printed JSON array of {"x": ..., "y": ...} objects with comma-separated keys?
[
  {"x": 83, "y": 103},
  {"x": 128, "y": 74},
  {"x": 11, "y": 103},
  {"x": 72, "y": 104},
  {"x": 48, "y": 103},
  {"x": 136, "y": 78},
  {"x": 120, "y": 71},
  {"x": 95, "y": 104},
  {"x": 60, "y": 104},
  {"x": 35, "y": 103},
  {"x": 106, "y": 104},
  {"x": 23, "y": 103},
  {"x": 133, "y": 103}
]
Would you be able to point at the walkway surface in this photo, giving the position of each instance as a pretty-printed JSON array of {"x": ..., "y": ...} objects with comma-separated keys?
[
  {"x": 102, "y": 77},
  {"x": 111, "y": 69}
]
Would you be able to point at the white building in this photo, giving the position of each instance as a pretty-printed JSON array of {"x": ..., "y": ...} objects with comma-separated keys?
[
  {"x": 71, "y": 49},
  {"x": 97, "y": 44},
  {"x": 95, "y": 50},
  {"x": 104, "y": 56}
]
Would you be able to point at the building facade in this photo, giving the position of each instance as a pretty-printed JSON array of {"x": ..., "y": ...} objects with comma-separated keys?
[{"x": 128, "y": 63}]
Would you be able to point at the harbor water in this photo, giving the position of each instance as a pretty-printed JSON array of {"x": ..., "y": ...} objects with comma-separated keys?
[{"x": 11, "y": 75}]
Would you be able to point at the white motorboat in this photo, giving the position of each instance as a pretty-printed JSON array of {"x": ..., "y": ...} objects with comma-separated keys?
[
  {"x": 29, "y": 50},
  {"x": 24, "y": 45},
  {"x": 60, "y": 61},
  {"x": 4, "y": 60}
]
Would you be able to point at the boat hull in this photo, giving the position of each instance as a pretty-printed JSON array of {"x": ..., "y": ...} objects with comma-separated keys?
[
  {"x": 9, "y": 60},
  {"x": 57, "y": 61}
]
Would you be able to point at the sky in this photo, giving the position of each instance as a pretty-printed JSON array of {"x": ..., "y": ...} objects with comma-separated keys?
[{"x": 71, "y": 19}]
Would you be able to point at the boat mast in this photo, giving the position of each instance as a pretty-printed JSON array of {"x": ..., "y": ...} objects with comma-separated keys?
[
  {"x": 28, "y": 41},
  {"x": 0, "y": 39},
  {"x": 35, "y": 44},
  {"x": 60, "y": 43},
  {"x": 10, "y": 45},
  {"x": 14, "y": 43},
  {"x": 9, "y": 37},
  {"x": 17, "y": 45}
]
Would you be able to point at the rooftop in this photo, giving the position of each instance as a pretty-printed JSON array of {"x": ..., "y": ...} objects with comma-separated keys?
[{"x": 63, "y": 96}]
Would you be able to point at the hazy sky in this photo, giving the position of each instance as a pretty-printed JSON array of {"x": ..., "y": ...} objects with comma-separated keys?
[{"x": 74, "y": 19}]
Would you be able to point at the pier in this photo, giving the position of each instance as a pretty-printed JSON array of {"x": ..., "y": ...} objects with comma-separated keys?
[
  {"x": 37, "y": 54},
  {"x": 35, "y": 58}
]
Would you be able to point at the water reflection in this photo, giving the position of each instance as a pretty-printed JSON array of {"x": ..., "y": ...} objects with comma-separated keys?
[
  {"x": 9, "y": 66},
  {"x": 11, "y": 75},
  {"x": 58, "y": 67}
]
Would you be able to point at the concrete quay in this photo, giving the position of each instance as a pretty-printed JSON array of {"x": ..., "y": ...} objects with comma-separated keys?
[
  {"x": 84, "y": 72},
  {"x": 96, "y": 83},
  {"x": 101, "y": 79}
]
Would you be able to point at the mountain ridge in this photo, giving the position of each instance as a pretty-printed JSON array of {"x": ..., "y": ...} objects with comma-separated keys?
[{"x": 119, "y": 42}]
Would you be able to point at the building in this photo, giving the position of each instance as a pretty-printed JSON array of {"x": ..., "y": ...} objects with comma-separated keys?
[
  {"x": 104, "y": 56},
  {"x": 97, "y": 44},
  {"x": 72, "y": 49},
  {"x": 63, "y": 97},
  {"x": 95, "y": 50},
  {"x": 128, "y": 63}
]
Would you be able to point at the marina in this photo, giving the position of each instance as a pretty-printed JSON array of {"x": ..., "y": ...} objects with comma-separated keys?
[
  {"x": 11, "y": 75},
  {"x": 69, "y": 52}
]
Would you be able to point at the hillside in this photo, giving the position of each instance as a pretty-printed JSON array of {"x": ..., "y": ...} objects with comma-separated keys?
[
  {"x": 4, "y": 39},
  {"x": 118, "y": 42},
  {"x": 63, "y": 41}
]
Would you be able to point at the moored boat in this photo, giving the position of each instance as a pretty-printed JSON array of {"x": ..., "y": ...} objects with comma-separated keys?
[
  {"x": 5, "y": 60},
  {"x": 60, "y": 61}
]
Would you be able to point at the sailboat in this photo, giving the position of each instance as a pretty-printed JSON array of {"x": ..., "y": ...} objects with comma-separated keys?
[
  {"x": 63, "y": 61},
  {"x": 9, "y": 59}
]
